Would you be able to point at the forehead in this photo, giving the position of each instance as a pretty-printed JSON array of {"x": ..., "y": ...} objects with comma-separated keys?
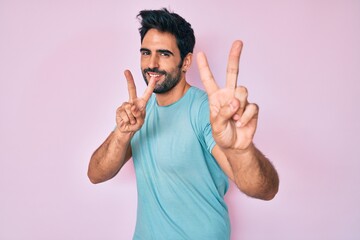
[{"x": 155, "y": 40}]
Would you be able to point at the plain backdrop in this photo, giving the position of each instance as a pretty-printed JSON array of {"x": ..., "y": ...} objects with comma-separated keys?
[{"x": 61, "y": 80}]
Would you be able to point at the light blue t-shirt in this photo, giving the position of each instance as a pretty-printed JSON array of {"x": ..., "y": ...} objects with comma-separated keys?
[{"x": 181, "y": 187}]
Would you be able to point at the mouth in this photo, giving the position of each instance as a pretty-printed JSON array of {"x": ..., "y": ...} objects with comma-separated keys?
[{"x": 155, "y": 75}]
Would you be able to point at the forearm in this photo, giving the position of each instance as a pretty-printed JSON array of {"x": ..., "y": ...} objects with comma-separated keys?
[
  {"x": 109, "y": 158},
  {"x": 253, "y": 173}
]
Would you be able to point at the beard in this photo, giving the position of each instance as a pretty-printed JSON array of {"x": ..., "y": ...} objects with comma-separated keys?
[{"x": 170, "y": 81}]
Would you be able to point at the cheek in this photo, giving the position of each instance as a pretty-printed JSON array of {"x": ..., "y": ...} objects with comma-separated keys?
[
  {"x": 142, "y": 63},
  {"x": 170, "y": 66}
]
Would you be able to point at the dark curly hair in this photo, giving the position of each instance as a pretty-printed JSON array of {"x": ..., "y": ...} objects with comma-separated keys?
[{"x": 165, "y": 21}]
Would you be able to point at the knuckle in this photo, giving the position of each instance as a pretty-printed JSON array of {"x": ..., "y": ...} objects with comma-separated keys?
[
  {"x": 243, "y": 90},
  {"x": 122, "y": 106},
  {"x": 241, "y": 93},
  {"x": 127, "y": 106},
  {"x": 119, "y": 110},
  {"x": 254, "y": 106},
  {"x": 232, "y": 70}
]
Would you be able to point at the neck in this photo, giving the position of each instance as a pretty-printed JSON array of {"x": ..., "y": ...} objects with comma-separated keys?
[{"x": 177, "y": 92}]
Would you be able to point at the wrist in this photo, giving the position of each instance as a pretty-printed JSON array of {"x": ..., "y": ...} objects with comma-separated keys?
[
  {"x": 239, "y": 153},
  {"x": 122, "y": 137}
]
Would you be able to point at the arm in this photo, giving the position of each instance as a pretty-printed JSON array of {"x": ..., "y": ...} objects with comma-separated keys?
[
  {"x": 109, "y": 158},
  {"x": 234, "y": 121},
  {"x": 251, "y": 171}
]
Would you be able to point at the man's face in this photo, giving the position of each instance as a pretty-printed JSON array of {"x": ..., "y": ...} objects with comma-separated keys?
[{"x": 160, "y": 59}]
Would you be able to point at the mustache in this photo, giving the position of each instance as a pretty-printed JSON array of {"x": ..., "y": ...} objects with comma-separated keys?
[{"x": 154, "y": 70}]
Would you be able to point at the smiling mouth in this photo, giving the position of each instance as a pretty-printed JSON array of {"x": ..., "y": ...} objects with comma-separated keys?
[{"x": 156, "y": 76}]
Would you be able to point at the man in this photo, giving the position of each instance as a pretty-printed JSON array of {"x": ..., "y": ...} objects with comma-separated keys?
[{"x": 185, "y": 143}]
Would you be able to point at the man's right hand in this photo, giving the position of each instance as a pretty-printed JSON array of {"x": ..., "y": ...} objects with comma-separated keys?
[{"x": 130, "y": 115}]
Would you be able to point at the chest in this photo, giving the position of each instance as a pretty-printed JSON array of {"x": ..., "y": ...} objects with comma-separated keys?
[{"x": 168, "y": 141}]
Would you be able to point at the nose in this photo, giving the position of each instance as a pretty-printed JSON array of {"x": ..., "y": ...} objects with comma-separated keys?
[{"x": 153, "y": 61}]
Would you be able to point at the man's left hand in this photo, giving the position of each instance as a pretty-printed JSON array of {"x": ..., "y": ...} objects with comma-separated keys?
[{"x": 232, "y": 117}]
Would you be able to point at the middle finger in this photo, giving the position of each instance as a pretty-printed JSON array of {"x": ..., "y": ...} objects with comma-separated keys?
[{"x": 232, "y": 70}]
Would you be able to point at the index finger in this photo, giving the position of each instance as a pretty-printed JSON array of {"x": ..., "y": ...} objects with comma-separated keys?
[
  {"x": 232, "y": 70},
  {"x": 149, "y": 89},
  {"x": 205, "y": 74},
  {"x": 131, "y": 86}
]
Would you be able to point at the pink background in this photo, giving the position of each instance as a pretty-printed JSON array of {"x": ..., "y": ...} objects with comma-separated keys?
[{"x": 61, "y": 80}]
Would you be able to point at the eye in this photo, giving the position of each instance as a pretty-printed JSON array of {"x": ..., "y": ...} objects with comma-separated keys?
[
  {"x": 165, "y": 54},
  {"x": 145, "y": 53}
]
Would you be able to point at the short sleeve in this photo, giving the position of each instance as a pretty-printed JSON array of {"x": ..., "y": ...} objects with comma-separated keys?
[{"x": 204, "y": 119}]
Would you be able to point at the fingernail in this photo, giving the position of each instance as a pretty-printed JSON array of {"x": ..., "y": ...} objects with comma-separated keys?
[
  {"x": 236, "y": 117},
  {"x": 238, "y": 124}
]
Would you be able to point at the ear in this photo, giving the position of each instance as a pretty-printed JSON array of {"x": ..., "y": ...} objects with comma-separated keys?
[{"x": 187, "y": 62}]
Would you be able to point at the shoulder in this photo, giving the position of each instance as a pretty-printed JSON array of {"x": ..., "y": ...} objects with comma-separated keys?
[
  {"x": 197, "y": 97},
  {"x": 198, "y": 107},
  {"x": 197, "y": 92}
]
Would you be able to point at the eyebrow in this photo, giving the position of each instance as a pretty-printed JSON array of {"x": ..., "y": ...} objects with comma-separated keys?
[{"x": 159, "y": 51}]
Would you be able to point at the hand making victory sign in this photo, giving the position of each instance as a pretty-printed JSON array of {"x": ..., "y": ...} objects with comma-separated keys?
[
  {"x": 232, "y": 117},
  {"x": 130, "y": 115}
]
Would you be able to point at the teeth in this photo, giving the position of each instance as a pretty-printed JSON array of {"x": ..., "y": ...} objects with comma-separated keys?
[{"x": 154, "y": 75}]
